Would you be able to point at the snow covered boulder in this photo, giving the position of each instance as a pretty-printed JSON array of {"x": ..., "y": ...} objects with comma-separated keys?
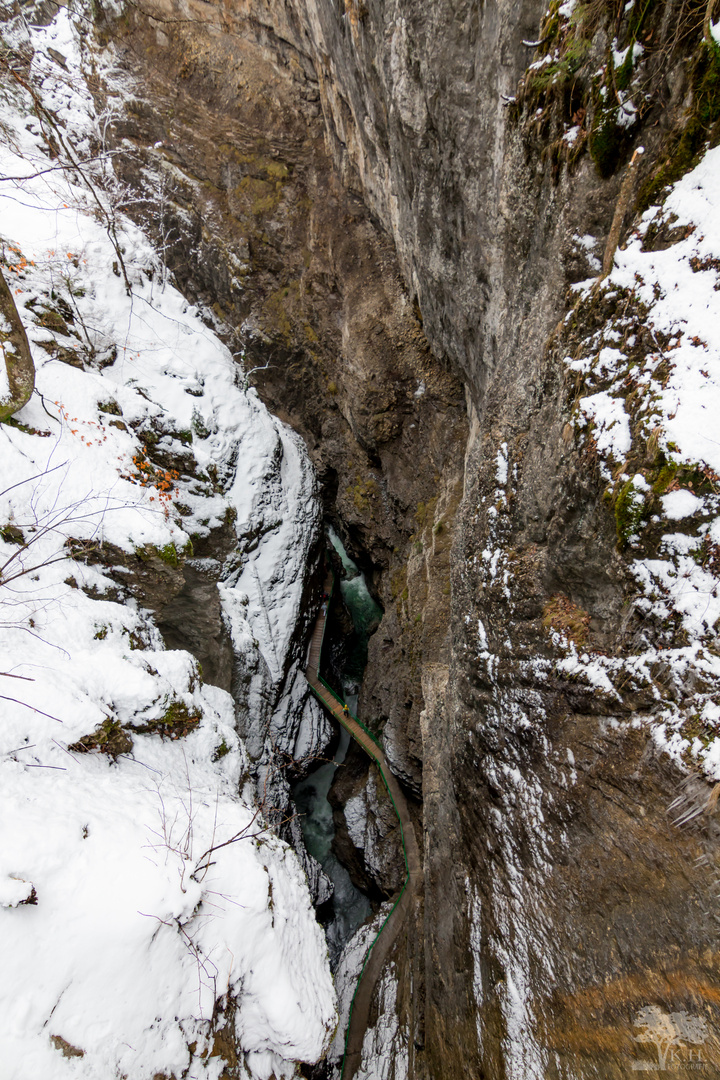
[{"x": 15, "y": 891}]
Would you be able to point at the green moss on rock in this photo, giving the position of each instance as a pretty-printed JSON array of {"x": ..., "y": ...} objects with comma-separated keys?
[
  {"x": 700, "y": 127},
  {"x": 363, "y": 494},
  {"x": 608, "y": 141},
  {"x": 629, "y": 512},
  {"x": 11, "y": 534},
  {"x": 167, "y": 554},
  {"x": 221, "y": 751},
  {"x": 176, "y": 722},
  {"x": 665, "y": 477},
  {"x": 110, "y": 738}
]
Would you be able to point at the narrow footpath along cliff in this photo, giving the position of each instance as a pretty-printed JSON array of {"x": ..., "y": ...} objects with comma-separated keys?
[{"x": 401, "y": 215}]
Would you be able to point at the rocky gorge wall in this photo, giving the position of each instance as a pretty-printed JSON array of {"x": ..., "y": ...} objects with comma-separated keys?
[{"x": 384, "y": 208}]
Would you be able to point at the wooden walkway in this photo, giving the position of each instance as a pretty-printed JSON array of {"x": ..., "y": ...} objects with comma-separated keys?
[{"x": 380, "y": 949}]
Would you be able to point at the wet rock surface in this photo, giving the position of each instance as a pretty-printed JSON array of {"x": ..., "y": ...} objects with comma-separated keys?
[{"x": 193, "y": 621}]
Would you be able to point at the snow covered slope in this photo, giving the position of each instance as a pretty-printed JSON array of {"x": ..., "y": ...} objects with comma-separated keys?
[
  {"x": 149, "y": 922},
  {"x": 648, "y": 399}
]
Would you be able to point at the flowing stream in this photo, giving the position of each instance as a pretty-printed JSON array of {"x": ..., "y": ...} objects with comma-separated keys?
[
  {"x": 366, "y": 614},
  {"x": 350, "y": 906}
]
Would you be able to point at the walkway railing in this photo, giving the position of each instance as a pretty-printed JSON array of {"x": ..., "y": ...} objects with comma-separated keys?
[{"x": 342, "y": 703}]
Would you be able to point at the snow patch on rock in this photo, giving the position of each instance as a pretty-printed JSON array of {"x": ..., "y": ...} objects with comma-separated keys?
[{"x": 653, "y": 395}]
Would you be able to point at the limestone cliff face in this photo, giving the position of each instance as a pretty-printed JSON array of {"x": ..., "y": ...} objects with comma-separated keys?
[{"x": 380, "y": 213}]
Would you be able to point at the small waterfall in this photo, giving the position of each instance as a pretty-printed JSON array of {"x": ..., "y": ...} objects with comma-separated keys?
[{"x": 366, "y": 615}]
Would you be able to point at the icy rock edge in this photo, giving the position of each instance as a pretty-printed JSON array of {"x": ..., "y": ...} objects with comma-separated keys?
[{"x": 150, "y": 923}]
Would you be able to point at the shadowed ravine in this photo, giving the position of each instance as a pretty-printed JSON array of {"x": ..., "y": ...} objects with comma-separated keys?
[
  {"x": 350, "y": 906},
  {"x": 395, "y": 921}
]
